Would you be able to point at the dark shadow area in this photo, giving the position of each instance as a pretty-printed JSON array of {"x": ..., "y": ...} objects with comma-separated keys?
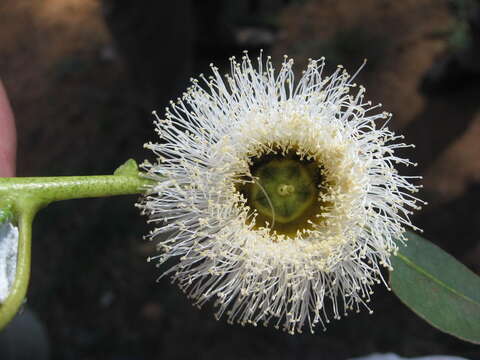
[
  {"x": 444, "y": 119},
  {"x": 455, "y": 225}
]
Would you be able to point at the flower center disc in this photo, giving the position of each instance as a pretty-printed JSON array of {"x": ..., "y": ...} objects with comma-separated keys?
[{"x": 285, "y": 192}]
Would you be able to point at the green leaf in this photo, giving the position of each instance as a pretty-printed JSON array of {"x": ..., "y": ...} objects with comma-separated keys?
[
  {"x": 438, "y": 288},
  {"x": 129, "y": 167}
]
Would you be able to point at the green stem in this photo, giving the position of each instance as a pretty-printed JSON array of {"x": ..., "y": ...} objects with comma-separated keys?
[
  {"x": 19, "y": 288},
  {"x": 48, "y": 189},
  {"x": 25, "y": 196}
]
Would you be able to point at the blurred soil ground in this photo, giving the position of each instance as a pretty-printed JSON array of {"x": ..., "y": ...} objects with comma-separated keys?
[{"x": 78, "y": 113}]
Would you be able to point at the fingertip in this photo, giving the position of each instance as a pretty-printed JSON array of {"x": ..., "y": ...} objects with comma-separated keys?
[{"x": 8, "y": 138}]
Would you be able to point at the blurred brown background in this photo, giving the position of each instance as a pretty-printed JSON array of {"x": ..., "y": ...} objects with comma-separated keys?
[{"x": 83, "y": 77}]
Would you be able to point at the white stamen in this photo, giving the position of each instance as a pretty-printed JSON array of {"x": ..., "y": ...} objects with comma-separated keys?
[{"x": 207, "y": 140}]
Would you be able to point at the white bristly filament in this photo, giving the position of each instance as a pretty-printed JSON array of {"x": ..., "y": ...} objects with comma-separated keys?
[{"x": 208, "y": 138}]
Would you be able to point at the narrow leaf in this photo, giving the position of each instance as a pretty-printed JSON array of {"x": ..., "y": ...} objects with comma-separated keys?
[{"x": 438, "y": 288}]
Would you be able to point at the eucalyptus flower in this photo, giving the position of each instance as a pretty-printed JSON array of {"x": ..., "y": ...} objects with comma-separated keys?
[
  {"x": 276, "y": 200},
  {"x": 279, "y": 199}
]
